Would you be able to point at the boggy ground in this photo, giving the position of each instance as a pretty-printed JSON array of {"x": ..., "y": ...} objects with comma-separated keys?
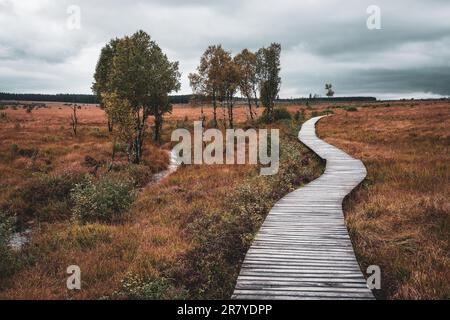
[{"x": 186, "y": 237}]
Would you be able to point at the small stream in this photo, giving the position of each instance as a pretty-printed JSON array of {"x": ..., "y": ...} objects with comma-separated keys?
[{"x": 173, "y": 166}]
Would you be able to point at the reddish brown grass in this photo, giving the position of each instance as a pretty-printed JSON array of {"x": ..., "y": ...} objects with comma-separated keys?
[
  {"x": 149, "y": 242},
  {"x": 400, "y": 218}
]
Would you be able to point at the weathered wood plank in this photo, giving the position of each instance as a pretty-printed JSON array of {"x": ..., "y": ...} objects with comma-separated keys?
[{"x": 303, "y": 250}]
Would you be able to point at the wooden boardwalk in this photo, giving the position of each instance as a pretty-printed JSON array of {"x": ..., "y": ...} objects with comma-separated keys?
[{"x": 303, "y": 250}]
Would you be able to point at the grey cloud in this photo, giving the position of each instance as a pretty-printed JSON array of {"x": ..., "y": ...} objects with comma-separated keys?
[{"x": 324, "y": 40}]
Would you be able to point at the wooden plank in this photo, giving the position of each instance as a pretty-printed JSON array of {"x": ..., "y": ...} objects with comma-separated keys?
[{"x": 303, "y": 250}]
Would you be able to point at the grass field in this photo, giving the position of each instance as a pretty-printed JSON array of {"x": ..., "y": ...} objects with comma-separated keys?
[
  {"x": 400, "y": 218},
  {"x": 186, "y": 236},
  {"x": 182, "y": 238}
]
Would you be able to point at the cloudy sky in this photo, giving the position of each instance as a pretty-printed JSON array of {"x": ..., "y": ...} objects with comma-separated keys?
[{"x": 322, "y": 41}]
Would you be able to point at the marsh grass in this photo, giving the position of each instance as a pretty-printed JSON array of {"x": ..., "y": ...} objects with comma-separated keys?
[
  {"x": 399, "y": 218},
  {"x": 182, "y": 238}
]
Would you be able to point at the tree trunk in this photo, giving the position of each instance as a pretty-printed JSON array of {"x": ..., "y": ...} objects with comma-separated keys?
[
  {"x": 138, "y": 141},
  {"x": 230, "y": 112},
  {"x": 270, "y": 112},
  {"x": 214, "y": 110},
  {"x": 224, "y": 115},
  {"x": 256, "y": 98},
  {"x": 110, "y": 125},
  {"x": 250, "y": 108},
  {"x": 74, "y": 120},
  {"x": 158, "y": 128}
]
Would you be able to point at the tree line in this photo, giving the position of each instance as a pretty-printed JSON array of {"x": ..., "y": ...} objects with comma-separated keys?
[
  {"x": 75, "y": 98},
  {"x": 219, "y": 76}
]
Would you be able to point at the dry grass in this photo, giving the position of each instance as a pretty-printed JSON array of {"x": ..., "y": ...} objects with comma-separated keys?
[
  {"x": 400, "y": 218},
  {"x": 153, "y": 243},
  {"x": 47, "y": 131}
]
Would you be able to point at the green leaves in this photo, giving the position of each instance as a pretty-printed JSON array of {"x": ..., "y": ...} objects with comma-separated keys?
[
  {"x": 105, "y": 200},
  {"x": 269, "y": 76},
  {"x": 133, "y": 79}
]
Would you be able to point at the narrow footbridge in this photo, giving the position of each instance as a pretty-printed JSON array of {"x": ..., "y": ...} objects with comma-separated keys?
[{"x": 303, "y": 250}]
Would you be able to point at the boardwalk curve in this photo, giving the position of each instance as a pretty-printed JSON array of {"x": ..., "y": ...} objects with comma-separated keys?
[{"x": 303, "y": 250}]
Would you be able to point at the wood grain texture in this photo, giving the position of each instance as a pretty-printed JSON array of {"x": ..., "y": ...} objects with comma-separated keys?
[{"x": 303, "y": 250}]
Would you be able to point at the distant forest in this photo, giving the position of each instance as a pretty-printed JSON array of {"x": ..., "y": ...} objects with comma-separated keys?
[
  {"x": 175, "y": 99},
  {"x": 71, "y": 98}
]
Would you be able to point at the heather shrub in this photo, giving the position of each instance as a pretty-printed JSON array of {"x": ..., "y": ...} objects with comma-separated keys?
[
  {"x": 351, "y": 109},
  {"x": 278, "y": 114},
  {"x": 104, "y": 200},
  {"x": 6, "y": 255},
  {"x": 45, "y": 197},
  {"x": 138, "y": 288}
]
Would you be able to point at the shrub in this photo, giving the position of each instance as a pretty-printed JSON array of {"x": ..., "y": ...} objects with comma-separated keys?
[
  {"x": 141, "y": 175},
  {"x": 120, "y": 147},
  {"x": 16, "y": 151},
  {"x": 28, "y": 153},
  {"x": 44, "y": 197},
  {"x": 138, "y": 288},
  {"x": 6, "y": 256},
  {"x": 351, "y": 109},
  {"x": 105, "y": 200},
  {"x": 3, "y": 116},
  {"x": 278, "y": 114},
  {"x": 5, "y": 233}
]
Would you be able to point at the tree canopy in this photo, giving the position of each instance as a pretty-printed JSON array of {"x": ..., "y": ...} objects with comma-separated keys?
[
  {"x": 268, "y": 66},
  {"x": 134, "y": 77}
]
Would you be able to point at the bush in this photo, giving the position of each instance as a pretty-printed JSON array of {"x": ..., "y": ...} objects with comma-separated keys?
[
  {"x": 278, "y": 114},
  {"x": 45, "y": 197},
  {"x": 6, "y": 256},
  {"x": 141, "y": 175},
  {"x": 6, "y": 228},
  {"x": 351, "y": 109},
  {"x": 105, "y": 200},
  {"x": 16, "y": 151},
  {"x": 138, "y": 288}
]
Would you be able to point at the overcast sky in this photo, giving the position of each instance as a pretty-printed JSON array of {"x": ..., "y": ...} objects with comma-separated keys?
[{"x": 322, "y": 41}]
